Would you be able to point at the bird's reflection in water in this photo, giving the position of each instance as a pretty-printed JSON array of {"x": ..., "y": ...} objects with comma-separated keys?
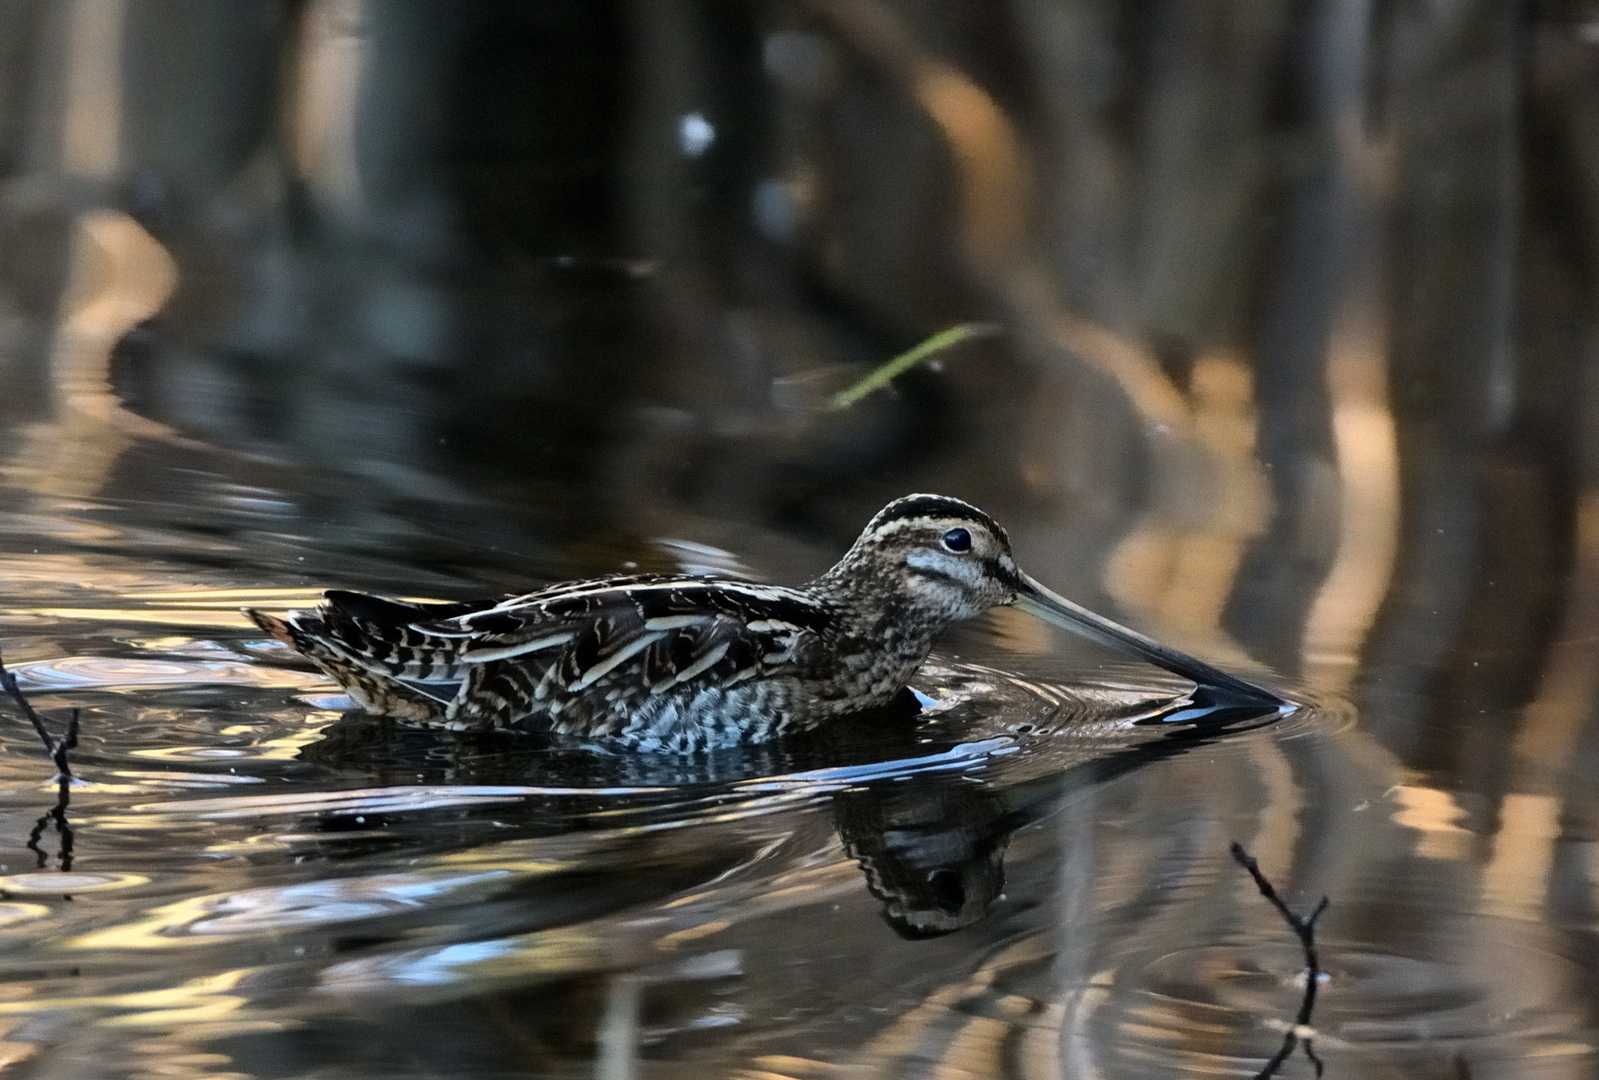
[
  {"x": 933, "y": 850},
  {"x": 931, "y": 841}
]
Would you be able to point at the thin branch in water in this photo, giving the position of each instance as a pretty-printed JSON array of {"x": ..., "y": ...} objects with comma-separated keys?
[
  {"x": 54, "y": 747},
  {"x": 1304, "y": 927},
  {"x": 881, "y": 376},
  {"x": 57, "y": 748}
]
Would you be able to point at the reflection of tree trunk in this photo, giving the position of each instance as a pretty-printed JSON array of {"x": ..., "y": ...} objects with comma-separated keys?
[
  {"x": 1189, "y": 467},
  {"x": 118, "y": 277}
]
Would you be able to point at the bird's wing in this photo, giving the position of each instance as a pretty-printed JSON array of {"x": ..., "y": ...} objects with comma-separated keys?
[
  {"x": 596, "y": 622},
  {"x": 380, "y": 635},
  {"x": 644, "y": 635}
]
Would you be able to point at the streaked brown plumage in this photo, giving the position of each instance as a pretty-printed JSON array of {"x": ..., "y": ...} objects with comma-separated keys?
[{"x": 680, "y": 664}]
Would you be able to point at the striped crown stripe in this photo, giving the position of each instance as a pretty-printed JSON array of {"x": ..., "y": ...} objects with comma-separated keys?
[{"x": 933, "y": 506}]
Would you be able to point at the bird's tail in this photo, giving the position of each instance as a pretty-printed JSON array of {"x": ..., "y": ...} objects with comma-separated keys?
[
  {"x": 272, "y": 626},
  {"x": 315, "y": 635}
]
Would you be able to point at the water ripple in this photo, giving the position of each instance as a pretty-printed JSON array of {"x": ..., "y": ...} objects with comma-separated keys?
[
  {"x": 55, "y": 884},
  {"x": 394, "y": 799},
  {"x": 271, "y": 910},
  {"x": 122, "y": 673},
  {"x": 1493, "y": 988}
]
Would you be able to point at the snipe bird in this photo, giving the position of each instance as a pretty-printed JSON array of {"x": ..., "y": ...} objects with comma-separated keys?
[{"x": 681, "y": 664}]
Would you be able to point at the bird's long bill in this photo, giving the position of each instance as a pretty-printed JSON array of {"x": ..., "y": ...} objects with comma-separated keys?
[{"x": 1056, "y": 609}]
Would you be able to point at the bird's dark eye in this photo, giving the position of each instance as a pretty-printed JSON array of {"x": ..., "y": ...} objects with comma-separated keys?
[{"x": 958, "y": 540}]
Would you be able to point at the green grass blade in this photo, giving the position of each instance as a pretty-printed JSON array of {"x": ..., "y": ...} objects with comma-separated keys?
[{"x": 882, "y": 376}]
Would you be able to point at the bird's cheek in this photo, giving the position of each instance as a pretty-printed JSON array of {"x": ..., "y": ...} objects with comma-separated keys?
[
  {"x": 998, "y": 596},
  {"x": 979, "y": 602}
]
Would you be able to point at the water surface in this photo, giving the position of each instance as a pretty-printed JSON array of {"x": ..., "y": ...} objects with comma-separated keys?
[{"x": 1027, "y": 878}]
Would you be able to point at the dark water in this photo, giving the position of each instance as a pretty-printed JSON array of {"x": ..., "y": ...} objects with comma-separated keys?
[{"x": 1030, "y": 879}]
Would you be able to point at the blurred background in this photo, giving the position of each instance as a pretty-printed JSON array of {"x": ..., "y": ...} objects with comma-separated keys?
[
  {"x": 1263, "y": 274},
  {"x": 1295, "y": 304}
]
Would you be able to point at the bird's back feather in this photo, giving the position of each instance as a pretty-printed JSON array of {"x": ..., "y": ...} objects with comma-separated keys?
[{"x": 588, "y": 658}]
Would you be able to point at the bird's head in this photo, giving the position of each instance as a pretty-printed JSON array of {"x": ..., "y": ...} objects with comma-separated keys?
[
  {"x": 951, "y": 559},
  {"x": 953, "y": 562}
]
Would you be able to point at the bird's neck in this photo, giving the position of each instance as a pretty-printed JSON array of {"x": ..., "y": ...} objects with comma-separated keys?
[{"x": 872, "y": 604}]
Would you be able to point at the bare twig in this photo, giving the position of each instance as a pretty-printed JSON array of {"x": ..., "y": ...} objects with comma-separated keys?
[
  {"x": 55, "y": 747},
  {"x": 1304, "y": 927}
]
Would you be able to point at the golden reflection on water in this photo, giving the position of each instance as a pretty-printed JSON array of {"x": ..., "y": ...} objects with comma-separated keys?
[
  {"x": 198, "y": 1000},
  {"x": 1517, "y": 878},
  {"x": 190, "y": 608},
  {"x": 1176, "y": 569},
  {"x": 55, "y": 884},
  {"x": 1366, "y": 439},
  {"x": 118, "y": 276},
  {"x": 1567, "y": 686},
  {"x": 923, "y": 1034},
  {"x": 283, "y": 748},
  {"x": 1279, "y": 824},
  {"x": 1435, "y": 816}
]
